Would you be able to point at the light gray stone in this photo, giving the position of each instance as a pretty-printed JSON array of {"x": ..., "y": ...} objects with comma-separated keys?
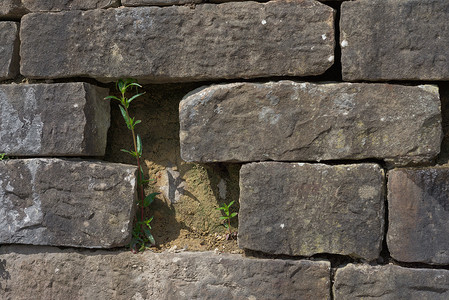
[
  {"x": 66, "y": 202},
  {"x": 390, "y": 282},
  {"x": 9, "y": 50},
  {"x": 305, "y": 209},
  {"x": 418, "y": 205},
  {"x": 57, "y": 274},
  {"x": 177, "y": 43},
  {"x": 294, "y": 121},
  {"x": 395, "y": 40},
  {"x": 63, "y": 119},
  {"x": 159, "y": 2}
]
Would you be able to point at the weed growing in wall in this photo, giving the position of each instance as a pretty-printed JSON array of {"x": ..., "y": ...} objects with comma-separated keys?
[
  {"x": 142, "y": 237},
  {"x": 3, "y": 156},
  {"x": 227, "y": 217}
]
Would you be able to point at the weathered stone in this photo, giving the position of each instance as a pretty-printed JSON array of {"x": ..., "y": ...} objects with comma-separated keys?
[
  {"x": 418, "y": 202},
  {"x": 58, "y": 274},
  {"x": 11, "y": 9},
  {"x": 290, "y": 121},
  {"x": 390, "y": 282},
  {"x": 9, "y": 50},
  {"x": 395, "y": 40},
  {"x": 66, "y": 202},
  {"x": 64, "y": 119},
  {"x": 158, "y": 2},
  {"x": 304, "y": 209},
  {"x": 18, "y": 8},
  {"x": 57, "y": 5},
  {"x": 177, "y": 43}
]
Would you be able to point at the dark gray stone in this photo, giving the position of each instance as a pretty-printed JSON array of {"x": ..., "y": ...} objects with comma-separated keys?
[
  {"x": 159, "y": 2},
  {"x": 15, "y": 9},
  {"x": 177, "y": 43},
  {"x": 66, "y": 202},
  {"x": 418, "y": 205},
  {"x": 57, "y": 274},
  {"x": 11, "y": 9},
  {"x": 63, "y": 119},
  {"x": 58, "y": 5},
  {"x": 9, "y": 50},
  {"x": 292, "y": 121},
  {"x": 390, "y": 282},
  {"x": 304, "y": 209},
  {"x": 395, "y": 40}
]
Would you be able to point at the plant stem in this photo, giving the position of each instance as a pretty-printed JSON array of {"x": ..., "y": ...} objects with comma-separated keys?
[{"x": 139, "y": 179}]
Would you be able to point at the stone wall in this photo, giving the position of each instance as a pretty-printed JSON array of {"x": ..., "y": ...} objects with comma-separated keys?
[{"x": 335, "y": 113}]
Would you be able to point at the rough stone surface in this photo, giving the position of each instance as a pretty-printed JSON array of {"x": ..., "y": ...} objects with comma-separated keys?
[
  {"x": 9, "y": 50},
  {"x": 390, "y": 282},
  {"x": 304, "y": 209},
  {"x": 57, "y": 5},
  {"x": 64, "y": 119},
  {"x": 395, "y": 40},
  {"x": 177, "y": 43},
  {"x": 418, "y": 202},
  {"x": 158, "y": 2},
  {"x": 66, "y": 202},
  {"x": 292, "y": 121},
  {"x": 11, "y": 9},
  {"x": 57, "y": 274}
]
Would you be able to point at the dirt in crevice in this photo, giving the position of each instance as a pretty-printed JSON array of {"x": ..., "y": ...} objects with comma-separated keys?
[{"x": 185, "y": 213}]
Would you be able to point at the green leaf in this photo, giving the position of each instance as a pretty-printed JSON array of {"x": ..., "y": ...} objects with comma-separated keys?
[
  {"x": 147, "y": 222},
  {"x": 121, "y": 86},
  {"x": 232, "y": 202},
  {"x": 139, "y": 145},
  {"x": 137, "y": 122},
  {"x": 151, "y": 239},
  {"x": 149, "y": 199},
  {"x": 149, "y": 236},
  {"x": 134, "y": 83},
  {"x": 224, "y": 218},
  {"x": 125, "y": 116},
  {"x": 112, "y": 97},
  {"x": 233, "y": 215},
  {"x": 129, "y": 152},
  {"x": 134, "y": 97}
]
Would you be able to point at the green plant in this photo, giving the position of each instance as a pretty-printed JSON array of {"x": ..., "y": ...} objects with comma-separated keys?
[
  {"x": 3, "y": 156},
  {"x": 227, "y": 217},
  {"x": 141, "y": 235}
]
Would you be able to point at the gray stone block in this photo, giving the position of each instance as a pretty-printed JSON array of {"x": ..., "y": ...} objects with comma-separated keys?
[
  {"x": 293, "y": 121},
  {"x": 57, "y": 274},
  {"x": 66, "y": 203},
  {"x": 177, "y": 43},
  {"x": 418, "y": 205},
  {"x": 395, "y": 40},
  {"x": 58, "y": 5},
  {"x": 390, "y": 282},
  {"x": 158, "y": 2},
  {"x": 11, "y": 9},
  {"x": 9, "y": 50},
  {"x": 17, "y": 8},
  {"x": 305, "y": 209},
  {"x": 63, "y": 119}
]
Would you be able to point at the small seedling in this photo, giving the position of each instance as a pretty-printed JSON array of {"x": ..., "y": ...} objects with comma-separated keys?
[
  {"x": 141, "y": 236},
  {"x": 227, "y": 217},
  {"x": 3, "y": 156}
]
